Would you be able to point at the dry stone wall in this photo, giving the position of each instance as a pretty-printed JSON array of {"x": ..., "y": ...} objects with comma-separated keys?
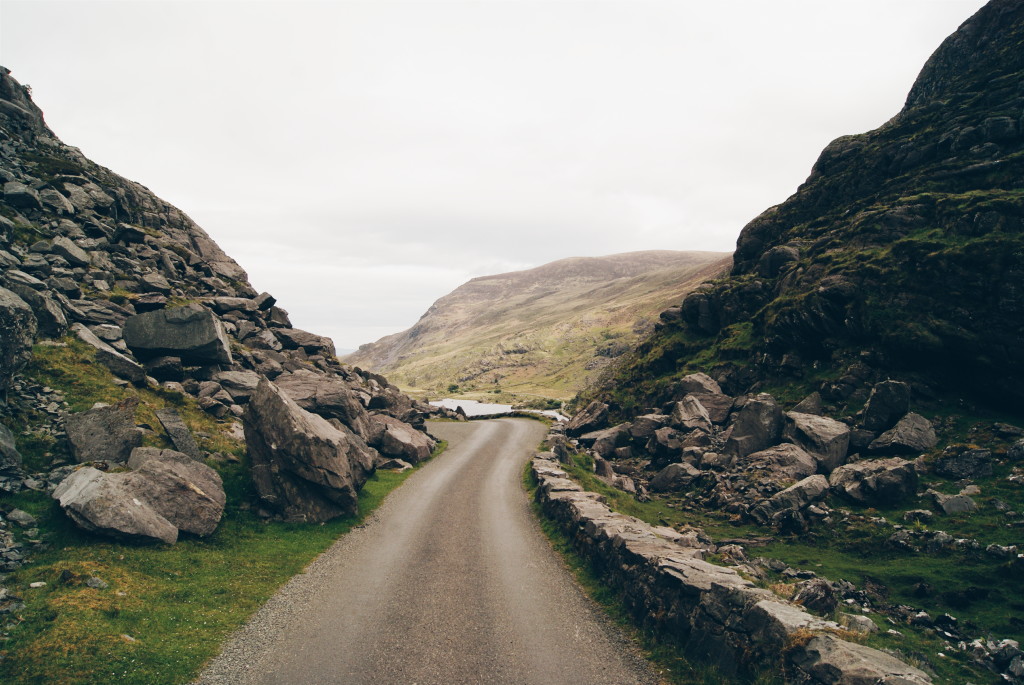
[{"x": 717, "y": 614}]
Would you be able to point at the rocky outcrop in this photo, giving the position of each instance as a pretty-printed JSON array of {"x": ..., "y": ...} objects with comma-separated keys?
[
  {"x": 190, "y": 332},
  {"x": 166, "y": 492},
  {"x": 17, "y": 331},
  {"x": 106, "y": 433},
  {"x": 304, "y": 468},
  {"x": 720, "y": 616}
]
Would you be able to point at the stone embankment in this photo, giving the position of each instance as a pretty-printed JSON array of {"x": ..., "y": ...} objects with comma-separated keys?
[{"x": 714, "y": 611}]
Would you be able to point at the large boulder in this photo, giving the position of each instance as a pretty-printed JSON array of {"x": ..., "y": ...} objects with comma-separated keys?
[
  {"x": 104, "y": 433},
  {"x": 794, "y": 498},
  {"x": 717, "y": 405},
  {"x": 17, "y": 331},
  {"x": 119, "y": 365},
  {"x": 827, "y": 440},
  {"x": 186, "y": 492},
  {"x": 689, "y": 413},
  {"x": 191, "y": 332},
  {"x": 239, "y": 384},
  {"x": 913, "y": 434},
  {"x": 889, "y": 400},
  {"x": 167, "y": 492},
  {"x": 328, "y": 396},
  {"x": 294, "y": 338},
  {"x": 783, "y": 462},
  {"x": 606, "y": 441},
  {"x": 395, "y": 438},
  {"x": 674, "y": 477},
  {"x": 828, "y": 659},
  {"x": 304, "y": 468},
  {"x": 757, "y": 425},
  {"x": 878, "y": 482},
  {"x": 593, "y": 417},
  {"x": 695, "y": 383}
]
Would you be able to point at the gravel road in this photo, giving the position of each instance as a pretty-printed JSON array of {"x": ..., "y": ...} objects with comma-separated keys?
[{"x": 449, "y": 581}]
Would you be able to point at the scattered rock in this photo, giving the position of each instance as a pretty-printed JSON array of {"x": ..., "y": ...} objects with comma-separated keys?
[
  {"x": 913, "y": 434},
  {"x": 191, "y": 332},
  {"x": 104, "y": 433}
]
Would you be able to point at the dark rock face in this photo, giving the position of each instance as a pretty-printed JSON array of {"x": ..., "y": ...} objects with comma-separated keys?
[
  {"x": 104, "y": 433},
  {"x": 913, "y": 433},
  {"x": 907, "y": 241},
  {"x": 17, "y": 331},
  {"x": 304, "y": 468},
  {"x": 190, "y": 332},
  {"x": 964, "y": 464},
  {"x": 880, "y": 482},
  {"x": 166, "y": 492},
  {"x": 754, "y": 427}
]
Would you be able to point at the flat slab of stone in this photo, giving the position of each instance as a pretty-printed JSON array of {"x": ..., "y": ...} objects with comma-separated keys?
[
  {"x": 119, "y": 365},
  {"x": 191, "y": 332},
  {"x": 181, "y": 437}
]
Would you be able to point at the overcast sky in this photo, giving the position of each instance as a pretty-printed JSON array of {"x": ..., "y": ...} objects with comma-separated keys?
[{"x": 362, "y": 159}]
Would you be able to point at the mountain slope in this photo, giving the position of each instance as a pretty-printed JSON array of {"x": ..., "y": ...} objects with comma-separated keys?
[
  {"x": 542, "y": 331},
  {"x": 902, "y": 252}
]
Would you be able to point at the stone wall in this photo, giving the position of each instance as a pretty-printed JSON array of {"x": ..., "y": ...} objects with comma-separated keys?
[{"x": 712, "y": 610}]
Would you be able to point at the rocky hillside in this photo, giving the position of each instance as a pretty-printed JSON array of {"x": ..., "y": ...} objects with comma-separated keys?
[
  {"x": 903, "y": 252},
  {"x": 544, "y": 331},
  {"x": 134, "y": 355},
  {"x": 840, "y": 418}
]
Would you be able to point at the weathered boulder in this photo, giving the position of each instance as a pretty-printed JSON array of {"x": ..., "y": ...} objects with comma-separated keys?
[
  {"x": 328, "y": 396},
  {"x": 913, "y": 433},
  {"x": 606, "y": 441},
  {"x": 877, "y": 482},
  {"x": 695, "y": 383},
  {"x": 643, "y": 427},
  {"x": 398, "y": 439},
  {"x": 666, "y": 446},
  {"x": 10, "y": 458},
  {"x": 827, "y": 440},
  {"x": 818, "y": 595},
  {"x": 827, "y": 659},
  {"x": 167, "y": 492},
  {"x": 191, "y": 332},
  {"x": 591, "y": 418},
  {"x": 304, "y": 468},
  {"x": 674, "y": 476},
  {"x": 104, "y": 433},
  {"x": 812, "y": 404},
  {"x": 294, "y": 338},
  {"x": 67, "y": 249},
  {"x": 688, "y": 414},
  {"x": 119, "y": 365},
  {"x": 50, "y": 318},
  {"x": 181, "y": 437},
  {"x": 783, "y": 462},
  {"x": 239, "y": 384},
  {"x": 108, "y": 504},
  {"x": 954, "y": 504},
  {"x": 17, "y": 332},
  {"x": 757, "y": 425},
  {"x": 186, "y": 492},
  {"x": 888, "y": 402},
  {"x": 17, "y": 194},
  {"x": 794, "y": 498},
  {"x": 717, "y": 405},
  {"x": 964, "y": 463}
]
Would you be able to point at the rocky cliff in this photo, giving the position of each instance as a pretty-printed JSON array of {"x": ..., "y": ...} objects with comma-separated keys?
[
  {"x": 110, "y": 294},
  {"x": 543, "y": 331},
  {"x": 903, "y": 252}
]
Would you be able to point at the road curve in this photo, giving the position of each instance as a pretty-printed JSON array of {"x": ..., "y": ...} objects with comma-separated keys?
[{"x": 449, "y": 582}]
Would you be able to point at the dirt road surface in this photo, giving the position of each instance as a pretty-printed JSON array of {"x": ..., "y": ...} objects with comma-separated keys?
[{"x": 449, "y": 582}]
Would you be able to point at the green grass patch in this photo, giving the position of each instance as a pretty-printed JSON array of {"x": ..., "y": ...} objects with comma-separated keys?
[{"x": 167, "y": 608}]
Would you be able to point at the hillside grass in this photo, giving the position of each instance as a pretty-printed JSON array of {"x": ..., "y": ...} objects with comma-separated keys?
[{"x": 167, "y": 608}]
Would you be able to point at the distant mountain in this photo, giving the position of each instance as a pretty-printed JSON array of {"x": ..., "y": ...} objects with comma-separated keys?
[
  {"x": 902, "y": 253},
  {"x": 544, "y": 331}
]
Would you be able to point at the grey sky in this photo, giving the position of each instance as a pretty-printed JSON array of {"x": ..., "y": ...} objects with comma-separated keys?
[{"x": 362, "y": 159}]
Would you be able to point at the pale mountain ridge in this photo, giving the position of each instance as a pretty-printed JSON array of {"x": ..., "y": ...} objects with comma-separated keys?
[{"x": 543, "y": 331}]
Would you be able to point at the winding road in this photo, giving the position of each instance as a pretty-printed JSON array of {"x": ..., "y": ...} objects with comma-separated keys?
[{"x": 449, "y": 582}]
